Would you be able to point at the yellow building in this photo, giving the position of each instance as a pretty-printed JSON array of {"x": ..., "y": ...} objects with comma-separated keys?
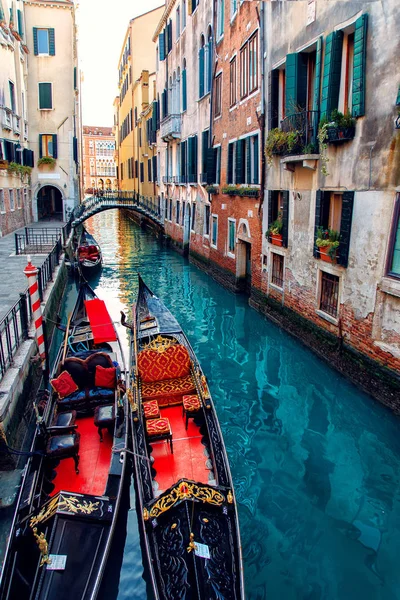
[{"x": 135, "y": 139}]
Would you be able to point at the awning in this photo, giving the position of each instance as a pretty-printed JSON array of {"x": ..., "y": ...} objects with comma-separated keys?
[{"x": 100, "y": 321}]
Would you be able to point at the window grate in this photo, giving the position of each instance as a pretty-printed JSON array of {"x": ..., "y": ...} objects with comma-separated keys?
[
  {"x": 329, "y": 294},
  {"x": 277, "y": 270}
]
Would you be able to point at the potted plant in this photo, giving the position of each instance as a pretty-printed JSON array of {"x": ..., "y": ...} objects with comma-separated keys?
[
  {"x": 281, "y": 142},
  {"x": 231, "y": 190},
  {"x": 212, "y": 189},
  {"x": 341, "y": 128},
  {"x": 46, "y": 160},
  {"x": 274, "y": 234},
  {"x": 327, "y": 243}
]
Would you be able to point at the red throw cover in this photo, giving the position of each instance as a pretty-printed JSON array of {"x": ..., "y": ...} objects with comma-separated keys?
[
  {"x": 100, "y": 321},
  {"x": 105, "y": 377},
  {"x": 64, "y": 385},
  {"x": 160, "y": 366}
]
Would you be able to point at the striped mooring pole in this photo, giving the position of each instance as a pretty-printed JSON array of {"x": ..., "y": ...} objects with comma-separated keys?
[{"x": 31, "y": 272}]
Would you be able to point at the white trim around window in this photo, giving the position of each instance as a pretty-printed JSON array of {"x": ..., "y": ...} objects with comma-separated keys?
[
  {"x": 38, "y": 93},
  {"x": 229, "y": 252},
  {"x": 214, "y": 241}
]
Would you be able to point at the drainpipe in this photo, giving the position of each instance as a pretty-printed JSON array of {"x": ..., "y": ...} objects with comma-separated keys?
[{"x": 261, "y": 116}]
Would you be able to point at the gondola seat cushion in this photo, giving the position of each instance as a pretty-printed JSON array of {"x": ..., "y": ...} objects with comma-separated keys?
[
  {"x": 169, "y": 392},
  {"x": 104, "y": 418},
  {"x": 64, "y": 385},
  {"x": 64, "y": 419},
  {"x": 151, "y": 409},
  {"x": 105, "y": 377},
  {"x": 63, "y": 446},
  {"x": 172, "y": 363},
  {"x": 156, "y": 427},
  {"x": 191, "y": 403}
]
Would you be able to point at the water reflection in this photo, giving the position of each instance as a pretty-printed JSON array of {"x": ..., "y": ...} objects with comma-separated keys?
[{"x": 315, "y": 462}]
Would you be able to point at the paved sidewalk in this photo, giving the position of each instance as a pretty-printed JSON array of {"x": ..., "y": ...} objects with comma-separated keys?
[{"x": 12, "y": 278}]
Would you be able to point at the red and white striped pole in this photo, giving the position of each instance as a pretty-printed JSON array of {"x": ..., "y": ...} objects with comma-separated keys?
[{"x": 31, "y": 272}]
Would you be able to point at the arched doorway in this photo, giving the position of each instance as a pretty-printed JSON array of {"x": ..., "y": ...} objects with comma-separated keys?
[
  {"x": 49, "y": 203},
  {"x": 108, "y": 184}
]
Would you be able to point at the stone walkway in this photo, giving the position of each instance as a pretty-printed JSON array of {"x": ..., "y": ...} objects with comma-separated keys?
[{"x": 12, "y": 278}]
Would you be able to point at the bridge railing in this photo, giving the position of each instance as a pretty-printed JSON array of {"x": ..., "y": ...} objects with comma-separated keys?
[{"x": 150, "y": 205}]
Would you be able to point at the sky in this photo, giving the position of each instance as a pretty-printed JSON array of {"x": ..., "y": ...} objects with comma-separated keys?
[{"x": 102, "y": 25}]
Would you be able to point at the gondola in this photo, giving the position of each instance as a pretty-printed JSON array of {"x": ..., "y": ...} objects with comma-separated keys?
[
  {"x": 71, "y": 490},
  {"x": 186, "y": 500},
  {"x": 88, "y": 256}
]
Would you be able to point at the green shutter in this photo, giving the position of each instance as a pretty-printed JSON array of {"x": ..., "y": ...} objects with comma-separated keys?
[
  {"x": 75, "y": 79},
  {"x": 318, "y": 219},
  {"x": 212, "y": 157},
  {"x": 20, "y": 23},
  {"x": 52, "y": 43},
  {"x": 75, "y": 148},
  {"x": 40, "y": 146},
  {"x": 201, "y": 72},
  {"x": 45, "y": 96},
  {"x": 331, "y": 75},
  {"x": 35, "y": 44},
  {"x": 154, "y": 116},
  {"x": 296, "y": 83},
  {"x": 55, "y": 153},
  {"x": 359, "y": 66},
  {"x": 273, "y": 99},
  {"x": 317, "y": 81},
  {"x": 230, "y": 163},
  {"x": 398, "y": 97},
  {"x": 204, "y": 148},
  {"x": 345, "y": 228},
  {"x": 239, "y": 161},
  {"x": 248, "y": 160},
  {"x": 285, "y": 218},
  {"x": 161, "y": 46},
  {"x": 256, "y": 167},
  {"x": 184, "y": 93}
]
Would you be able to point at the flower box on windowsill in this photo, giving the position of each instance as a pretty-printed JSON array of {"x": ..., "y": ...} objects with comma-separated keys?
[
  {"x": 336, "y": 135},
  {"x": 241, "y": 191},
  {"x": 276, "y": 239},
  {"x": 212, "y": 189},
  {"x": 3, "y": 164},
  {"x": 324, "y": 255},
  {"x": 46, "y": 163}
]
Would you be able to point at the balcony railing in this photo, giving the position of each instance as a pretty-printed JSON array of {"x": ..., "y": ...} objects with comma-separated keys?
[
  {"x": 305, "y": 125},
  {"x": 171, "y": 127}
]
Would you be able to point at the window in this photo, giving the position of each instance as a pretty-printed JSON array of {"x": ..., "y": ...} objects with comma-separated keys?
[
  {"x": 183, "y": 14},
  {"x": 201, "y": 67},
  {"x": 170, "y": 209},
  {"x": 334, "y": 211},
  {"x": 184, "y": 84},
  {"x": 329, "y": 296},
  {"x": 12, "y": 96},
  {"x": 346, "y": 79},
  {"x": 183, "y": 212},
  {"x": 218, "y": 95},
  {"x": 45, "y": 96},
  {"x": 275, "y": 205},
  {"x": 18, "y": 198},
  {"x": 249, "y": 66},
  {"x": 277, "y": 269},
  {"x": 232, "y": 82},
  {"x": 243, "y": 161},
  {"x": 2, "y": 205},
  {"x": 207, "y": 220},
  {"x": 194, "y": 4},
  {"x": 178, "y": 205},
  {"x": 149, "y": 169},
  {"x": 193, "y": 216},
  {"x": 47, "y": 145},
  {"x": 141, "y": 172},
  {"x": 220, "y": 18},
  {"x": 214, "y": 231},
  {"x": 192, "y": 159},
  {"x": 231, "y": 236},
  {"x": 178, "y": 23},
  {"x": 394, "y": 250},
  {"x": 204, "y": 156},
  {"x": 233, "y": 8},
  {"x": 43, "y": 41},
  {"x": 12, "y": 202}
]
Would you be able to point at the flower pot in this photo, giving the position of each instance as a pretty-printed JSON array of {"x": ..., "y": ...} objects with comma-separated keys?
[
  {"x": 323, "y": 253},
  {"x": 276, "y": 239}
]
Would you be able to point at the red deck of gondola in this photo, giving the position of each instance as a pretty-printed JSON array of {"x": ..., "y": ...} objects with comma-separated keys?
[{"x": 100, "y": 321}]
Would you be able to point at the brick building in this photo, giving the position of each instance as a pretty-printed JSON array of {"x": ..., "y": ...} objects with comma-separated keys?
[{"x": 98, "y": 159}]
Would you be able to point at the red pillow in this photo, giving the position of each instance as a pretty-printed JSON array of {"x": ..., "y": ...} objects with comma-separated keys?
[
  {"x": 105, "y": 377},
  {"x": 64, "y": 385}
]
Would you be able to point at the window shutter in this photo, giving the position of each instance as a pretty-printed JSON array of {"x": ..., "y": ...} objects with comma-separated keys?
[
  {"x": 35, "y": 43},
  {"x": 149, "y": 169},
  {"x": 248, "y": 160},
  {"x": 285, "y": 218},
  {"x": 55, "y": 153},
  {"x": 45, "y": 100},
  {"x": 40, "y": 146},
  {"x": 161, "y": 46},
  {"x": 201, "y": 72},
  {"x": 359, "y": 66},
  {"x": 184, "y": 95},
  {"x": 256, "y": 168},
  {"x": 230, "y": 163},
  {"x": 345, "y": 228},
  {"x": 190, "y": 160},
  {"x": 52, "y": 44},
  {"x": 195, "y": 157},
  {"x": 239, "y": 161},
  {"x": 75, "y": 79},
  {"x": 331, "y": 75},
  {"x": 170, "y": 35},
  {"x": 317, "y": 83},
  {"x": 183, "y": 162},
  {"x": 270, "y": 205},
  {"x": 154, "y": 168},
  {"x": 273, "y": 99},
  {"x": 212, "y": 157},
  {"x": 25, "y": 156},
  {"x": 296, "y": 83},
  {"x": 210, "y": 64},
  {"x": 398, "y": 97},
  {"x": 75, "y": 148},
  {"x": 318, "y": 218},
  {"x": 20, "y": 23},
  {"x": 204, "y": 148}
]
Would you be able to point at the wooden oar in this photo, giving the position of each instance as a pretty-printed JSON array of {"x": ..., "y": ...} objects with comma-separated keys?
[{"x": 66, "y": 337}]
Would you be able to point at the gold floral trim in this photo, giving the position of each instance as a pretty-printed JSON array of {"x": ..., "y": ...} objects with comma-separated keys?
[
  {"x": 184, "y": 491},
  {"x": 160, "y": 344},
  {"x": 70, "y": 504}
]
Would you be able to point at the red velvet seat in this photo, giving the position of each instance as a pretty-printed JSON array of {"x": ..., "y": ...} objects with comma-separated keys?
[
  {"x": 151, "y": 409},
  {"x": 159, "y": 429},
  {"x": 191, "y": 406}
]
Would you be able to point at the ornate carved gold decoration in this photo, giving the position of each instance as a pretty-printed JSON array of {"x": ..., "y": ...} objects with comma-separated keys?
[
  {"x": 131, "y": 398},
  {"x": 206, "y": 393},
  {"x": 43, "y": 547},
  {"x": 160, "y": 344},
  {"x": 145, "y": 514},
  {"x": 173, "y": 526},
  {"x": 230, "y": 497},
  {"x": 205, "y": 520},
  {"x": 183, "y": 491},
  {"x": 192, "y": 545},
  {"x": 70, "y": 504}
]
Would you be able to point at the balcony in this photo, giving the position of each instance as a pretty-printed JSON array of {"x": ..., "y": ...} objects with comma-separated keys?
[
  {"x": 171, "y": 128},
  {"x": 6, "y": 118},
  {"x": 16, "y": 124},
  {"x": 296, "y": 139}
]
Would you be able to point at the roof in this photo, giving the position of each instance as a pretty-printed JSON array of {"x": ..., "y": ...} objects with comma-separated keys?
[{"x": 95, "y": 130}]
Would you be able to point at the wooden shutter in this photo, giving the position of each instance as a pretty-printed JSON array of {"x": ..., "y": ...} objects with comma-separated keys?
[
  {"x": 20, "y": 23},
  {"x": 52, "y": 43},
  {"x": 161, "y": 46},
  {"x": 210, "y": 63},
  {"x": 55, "y": 153},
  {"x": 239, "y": 162},
  {"x": 170, "y": 36},
  {"x": 201, "y": 72},
  {"x": 318, "y": 218},
  {"x": 248, "y": 160},
  {"x": 154, "y": 116},
  {"x": 40, "y": 146},
  {"x": 345, "y": 228},
  {"x": 149, "y": 169},
  {"x": 190, "y": 143},
  {"x": 285, "y": 218},
  {"x": 184, "y": 94},
  {"x": 204, "y": 148},
  {"x": 359, "y": 66},
  {"x": 256, "y": 166},
  {"x": 35, "y": 42},
  {"x": 317, "y": 82},
  {"x": 45, "y": 100},
  {"x": 273, "y": 99},
  {"x": 212, "y": 157},
  {"x": 229, "y": 178},
  {"x": 271, "y": 195},
  {"x": 75, "y": 148},
  {"x": 296, "y": 83},
  {"x": 75, "y": 79},
  {"x": 154, "y": 168},
  {"x": 398, "y": 97},
  {"x": 331, "y": 75}
]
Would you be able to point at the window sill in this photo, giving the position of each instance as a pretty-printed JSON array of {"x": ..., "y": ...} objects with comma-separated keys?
[
  {"x": 233, "y": 107},
  {"x": 276, "y": 287},
  {"x": 203, "y": 96},
  {"x": 327, "y": 317},
  {"x": 309, "y": 161},
  {"x": 233, "y": 17},
  {"x": 213, "y": 246},
  {"x": 390, "y": 286},
  {"x": 249, "y": 96},
  {"x": 206, "y": 235},
  {"x": 218, "y": 117},
  {"x": 230, "y": 255}
]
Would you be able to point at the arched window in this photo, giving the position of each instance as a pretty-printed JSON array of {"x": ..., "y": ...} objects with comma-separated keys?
[
  {"x": 184, "y": 86},
  {"x": 201, "y": 67},
  {"x": 178, "y": 91},
  {"x": 170, "y": 107},
  {"x": 220, "y": 18},
  {"x": 174, "y": 108},
  {"x": 209, "y": 59}
]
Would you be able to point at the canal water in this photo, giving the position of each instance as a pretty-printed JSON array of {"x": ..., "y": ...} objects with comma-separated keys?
[{"x": 315, "y": 462}]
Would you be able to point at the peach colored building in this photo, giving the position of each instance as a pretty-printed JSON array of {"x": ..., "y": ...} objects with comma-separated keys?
[{"x": 98, "y": 162}]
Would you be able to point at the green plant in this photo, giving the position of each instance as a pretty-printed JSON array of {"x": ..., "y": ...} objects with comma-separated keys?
[
  {"x": 323, "y": 147},
  {"x": 338, "y": 119},
  {"x": 212, "y": 189},
  {"x": 309, "y": 149},
  {"x": 328, "y": 238},
  {"x": 275, "y": 227},
  {"x": 21, "y": 170},
  {"x": 46, "y": 160},
  {"x": 230, "y": 189}
]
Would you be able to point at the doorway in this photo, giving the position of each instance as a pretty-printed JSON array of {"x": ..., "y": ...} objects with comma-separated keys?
[
  {"x": 186, "y": 229},
  {"x": 49, "y": 203}
]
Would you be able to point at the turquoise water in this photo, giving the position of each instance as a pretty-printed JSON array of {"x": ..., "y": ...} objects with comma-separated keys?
[{"x": 315, "y": 462}]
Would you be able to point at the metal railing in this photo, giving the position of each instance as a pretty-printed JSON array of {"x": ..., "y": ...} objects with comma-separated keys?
[
  {"x": 37, "y": 240},
  {"x": 149, "y": 205},
  {"x": 305, "y": 123}
]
